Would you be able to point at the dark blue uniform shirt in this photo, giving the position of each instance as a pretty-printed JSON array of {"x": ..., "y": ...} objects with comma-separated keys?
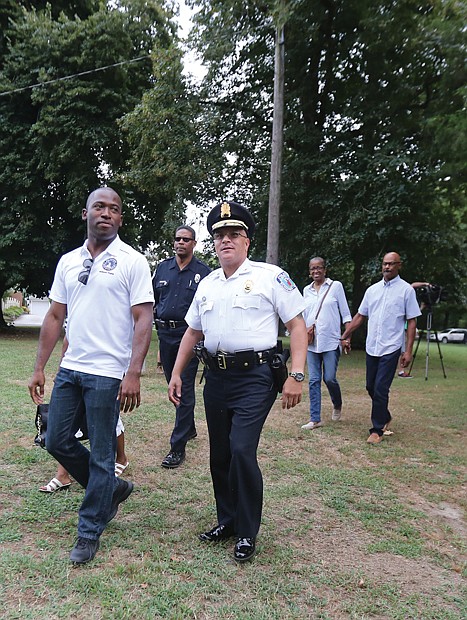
[{"x": 174, "y": 289}]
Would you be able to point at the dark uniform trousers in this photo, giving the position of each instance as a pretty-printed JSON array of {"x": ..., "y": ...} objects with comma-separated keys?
[
  {"x": 379, "y": 376},
  {"x": 237, "y": 404},
  {"x": 169, "y": 342}
]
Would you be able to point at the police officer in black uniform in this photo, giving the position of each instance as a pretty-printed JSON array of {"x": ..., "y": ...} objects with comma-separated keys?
[
  {"x": 175, "y": 282},
  {"x": 237, "y": 309}
]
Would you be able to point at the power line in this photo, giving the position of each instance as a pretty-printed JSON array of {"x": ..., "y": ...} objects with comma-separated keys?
[{"x": 69, "y": 77}]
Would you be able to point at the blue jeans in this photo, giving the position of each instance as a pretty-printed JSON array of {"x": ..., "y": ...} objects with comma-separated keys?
[
  {"x": 95, "y": 469},
  {"x": 323, "y": 365},
  {"x": 379, "y": 375},
  {"x": 169, "y": 343}
]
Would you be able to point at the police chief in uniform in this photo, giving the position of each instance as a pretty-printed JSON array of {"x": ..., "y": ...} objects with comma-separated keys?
[
  {"x": 175, "y": 282},
  {"x": 236, "y": 310}
]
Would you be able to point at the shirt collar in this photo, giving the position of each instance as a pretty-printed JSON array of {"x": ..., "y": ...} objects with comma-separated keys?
[
  {"x": 390, "y": 282},
  {"x": 111, "y": 249},
  {"x": 188, "y": 267},
  {"x": 245, "y": 267}
]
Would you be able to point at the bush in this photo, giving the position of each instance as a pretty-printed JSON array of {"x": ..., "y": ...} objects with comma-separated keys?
[{"x": 11, "y": 314}]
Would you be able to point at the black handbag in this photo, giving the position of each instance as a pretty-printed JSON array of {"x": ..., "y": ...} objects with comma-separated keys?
[{"x": 42, "y": 414}]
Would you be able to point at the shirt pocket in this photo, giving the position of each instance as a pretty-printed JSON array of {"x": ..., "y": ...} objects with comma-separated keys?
[
  {"x": 205, "y": 310},
  {"x": 245, "y": 310}
]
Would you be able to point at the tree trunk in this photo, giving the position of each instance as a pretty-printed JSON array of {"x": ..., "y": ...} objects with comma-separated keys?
[{"x": 272, "y": 249}]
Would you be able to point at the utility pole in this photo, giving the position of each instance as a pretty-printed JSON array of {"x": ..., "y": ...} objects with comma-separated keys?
[{"x": 272, "y": 249}]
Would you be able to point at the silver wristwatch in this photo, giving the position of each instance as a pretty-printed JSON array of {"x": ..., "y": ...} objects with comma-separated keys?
[{"x": 298, "y": 376}]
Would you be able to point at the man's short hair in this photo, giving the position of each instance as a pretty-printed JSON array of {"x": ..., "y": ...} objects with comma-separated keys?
[{"x": 186, "y": 227}]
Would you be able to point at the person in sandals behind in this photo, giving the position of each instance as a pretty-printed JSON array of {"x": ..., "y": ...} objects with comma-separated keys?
[{"x": 62, "y": 479}]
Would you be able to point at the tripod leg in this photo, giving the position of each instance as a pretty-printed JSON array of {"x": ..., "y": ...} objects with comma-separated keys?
[
  {"x": 440, "y": 354},
  {"x": 427, "y": 353},
  {"x": 415, "y": 352}
]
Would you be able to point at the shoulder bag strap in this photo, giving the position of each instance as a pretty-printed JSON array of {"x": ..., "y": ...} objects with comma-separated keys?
[{"x": 322, "y": 301}]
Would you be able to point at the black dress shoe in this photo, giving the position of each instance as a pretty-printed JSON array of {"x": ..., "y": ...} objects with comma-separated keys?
[
  {"x": 192, "y": 435},
  {"x": 245, "y": 549},
  {"x": 121, "y": 493},
  {"x": 218, "y": 533},
  {"x": 173, "y": 459},
  {"x": 84, "y": 550}
]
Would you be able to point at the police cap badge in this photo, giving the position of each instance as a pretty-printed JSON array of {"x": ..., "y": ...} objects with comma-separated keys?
[{"x": 231, "y": 214}]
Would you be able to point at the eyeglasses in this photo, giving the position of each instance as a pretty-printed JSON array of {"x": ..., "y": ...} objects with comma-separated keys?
[
  {"x": 391, "y": 263},
  {"x": 184, "y": 239},
  {"x": 320, "y": 268},
  {"x": 231, "y": 234},
  {"x": 83, "y": 276}
]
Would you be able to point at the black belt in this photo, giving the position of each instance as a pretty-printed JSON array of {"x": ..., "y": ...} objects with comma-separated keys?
[
  {"x": 170, "y": 324},
  {"x": 240, "y": 360}
]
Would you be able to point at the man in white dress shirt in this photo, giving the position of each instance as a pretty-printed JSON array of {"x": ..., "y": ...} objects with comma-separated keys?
[{"x": 388, "y": 304}]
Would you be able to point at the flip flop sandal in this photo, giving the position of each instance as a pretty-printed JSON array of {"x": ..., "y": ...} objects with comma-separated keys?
[
  {"x": 53, "y": 486},
  {"x": 119, "y": 468}
]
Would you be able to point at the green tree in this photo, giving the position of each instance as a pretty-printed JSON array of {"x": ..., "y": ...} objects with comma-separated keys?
[
  {"x": 62, "y": 139},
  {"x": 372, "y": 92}
]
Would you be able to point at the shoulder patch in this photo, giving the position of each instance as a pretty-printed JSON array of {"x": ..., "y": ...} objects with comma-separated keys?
[{"x": 286, "y": 281}]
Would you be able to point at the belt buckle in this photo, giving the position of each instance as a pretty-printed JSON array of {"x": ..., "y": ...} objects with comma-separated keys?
[
  {"x": 222, "y": 362},
  {"x": 172, "y": 324}
]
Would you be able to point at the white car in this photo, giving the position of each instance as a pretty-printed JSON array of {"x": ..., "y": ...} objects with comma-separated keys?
[{"x": 456, "y": 334}]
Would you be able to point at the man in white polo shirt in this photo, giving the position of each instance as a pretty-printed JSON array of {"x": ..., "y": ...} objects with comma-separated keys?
[
  {"x": 104, "y": 289},
  {"x": 388, "y": 304}
]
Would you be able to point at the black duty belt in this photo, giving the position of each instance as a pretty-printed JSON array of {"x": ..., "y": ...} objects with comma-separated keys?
[
  {"x": 240, "y": 360},
  {"x": 170, "y": 324}
]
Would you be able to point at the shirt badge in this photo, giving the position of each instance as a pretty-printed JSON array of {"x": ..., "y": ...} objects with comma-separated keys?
[
  {"x": 286, "y": 281},
  {"x": 197, "y": 278},
  {"x": 248, "y": 286},
  {"x": 109, "y": 264}
]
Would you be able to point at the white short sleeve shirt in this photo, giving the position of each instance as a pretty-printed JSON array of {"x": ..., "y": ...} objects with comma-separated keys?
[
  {"x": 388, "y": 305},
  {"x": 243, "y": 311},
  {"x": 100, "y": 321}
]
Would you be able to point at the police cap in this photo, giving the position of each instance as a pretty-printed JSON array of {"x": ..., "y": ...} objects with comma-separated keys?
[{"x": 230, "y": 214}]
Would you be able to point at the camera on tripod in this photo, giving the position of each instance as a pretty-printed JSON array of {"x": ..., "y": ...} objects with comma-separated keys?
[{"x": 431, "y": 294}]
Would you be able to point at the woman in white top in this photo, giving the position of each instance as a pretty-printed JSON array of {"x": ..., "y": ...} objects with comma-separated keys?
[{"x": 326, "y": 309}]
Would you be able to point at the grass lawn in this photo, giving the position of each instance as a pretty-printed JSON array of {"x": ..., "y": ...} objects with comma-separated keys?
[{"x": 350, "y": 531}]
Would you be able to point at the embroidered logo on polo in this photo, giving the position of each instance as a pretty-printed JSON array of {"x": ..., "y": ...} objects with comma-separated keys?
[
  {"x": 109, "y": 264},
  {"x": 286, "y": 281},
  {"x": 197, "y": 278}
]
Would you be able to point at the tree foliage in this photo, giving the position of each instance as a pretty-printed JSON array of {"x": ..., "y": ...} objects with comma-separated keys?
[
  {"x": 374, "y": 91},
  {"x": 62, "y": 139}
]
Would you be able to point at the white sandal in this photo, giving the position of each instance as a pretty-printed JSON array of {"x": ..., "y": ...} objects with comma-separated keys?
[
  {"x": 119, "y": 468},
  {"x": 54, "y": 485}
]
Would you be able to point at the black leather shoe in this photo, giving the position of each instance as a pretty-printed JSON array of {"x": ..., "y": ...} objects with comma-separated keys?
[
  {"x": 218, "y": 533},
  {"x": 84, "y": 550},
  {"x": 173, "y": 459},
  {"x": 192, "y": 435},
  {"x": 121, "y": 493},
  {"x": 245, "y": 549}
]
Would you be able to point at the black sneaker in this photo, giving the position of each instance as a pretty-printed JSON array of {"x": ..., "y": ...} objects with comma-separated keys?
[
  {"x": 173, "y": 459},
  {"x": 245, "y": 549},
  {"x": 121, "y": 493},
  {"x": 84, "y": 550}
]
